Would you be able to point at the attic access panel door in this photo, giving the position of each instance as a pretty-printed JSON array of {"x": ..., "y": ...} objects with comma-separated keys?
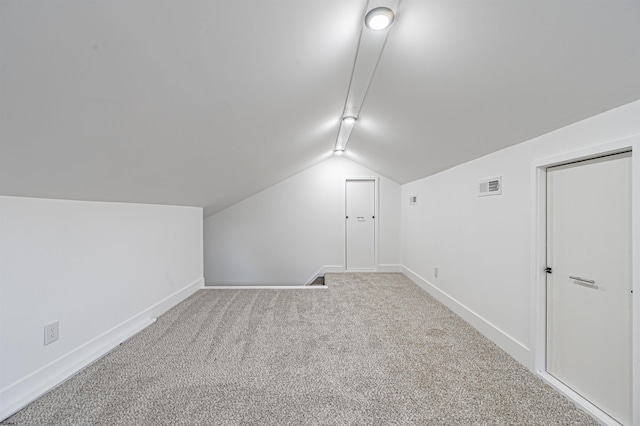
[{"x": 360, "y": 224}]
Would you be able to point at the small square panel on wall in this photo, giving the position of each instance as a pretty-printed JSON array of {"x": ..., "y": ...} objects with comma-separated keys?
[{"x": 413, "y": 199}]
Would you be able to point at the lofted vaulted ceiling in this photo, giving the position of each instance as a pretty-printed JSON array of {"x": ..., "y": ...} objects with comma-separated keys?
[{"x": 203, "y": 103}]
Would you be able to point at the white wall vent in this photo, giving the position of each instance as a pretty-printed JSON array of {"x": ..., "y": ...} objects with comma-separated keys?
[
  {"x": 492, "y": 186},
  {"x": 413, "y": 199}
]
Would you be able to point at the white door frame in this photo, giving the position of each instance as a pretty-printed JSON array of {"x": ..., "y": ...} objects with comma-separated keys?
[
  {"x": 375, "y": 223},
  {"x": 538, "y": 275}
]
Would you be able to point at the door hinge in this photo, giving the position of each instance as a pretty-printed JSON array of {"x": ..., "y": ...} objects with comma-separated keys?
[{"x": 548, "y": 270}]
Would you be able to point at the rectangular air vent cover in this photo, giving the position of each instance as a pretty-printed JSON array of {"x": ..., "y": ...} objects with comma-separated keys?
[{"x": 492, "y": 186}]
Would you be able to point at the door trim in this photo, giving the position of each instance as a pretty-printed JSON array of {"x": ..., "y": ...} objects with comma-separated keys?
[
  {"x": 376, "y": 223},
  {"x": 538, "y": 276}
]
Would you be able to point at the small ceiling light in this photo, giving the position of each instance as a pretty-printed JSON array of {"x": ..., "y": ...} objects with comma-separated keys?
[
  {"x": 379, "y": 18},
  {"x": 346, "y": 127},
  {"x": 338, "y": 152}
]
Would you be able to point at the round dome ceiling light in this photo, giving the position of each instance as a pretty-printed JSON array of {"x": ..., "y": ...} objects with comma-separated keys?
[
  {"x": 379, "y": 18},
  {"x": 349, "y": 119}
]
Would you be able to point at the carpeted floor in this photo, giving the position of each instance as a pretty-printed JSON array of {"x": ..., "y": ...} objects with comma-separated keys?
[{"x": 372, "y": 349}]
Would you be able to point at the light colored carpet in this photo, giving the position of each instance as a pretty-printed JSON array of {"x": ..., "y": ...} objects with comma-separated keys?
[{"x": 371, "y": 349}]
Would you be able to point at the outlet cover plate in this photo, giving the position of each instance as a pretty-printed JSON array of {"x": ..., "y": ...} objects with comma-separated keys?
[{"x": 51, "y": 333}]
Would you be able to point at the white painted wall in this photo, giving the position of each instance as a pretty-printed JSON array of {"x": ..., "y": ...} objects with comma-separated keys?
[
  {"x": 481, "y": 245},
  {"x": 100, "y": 269},
  {"x": 285, "y": 234}
]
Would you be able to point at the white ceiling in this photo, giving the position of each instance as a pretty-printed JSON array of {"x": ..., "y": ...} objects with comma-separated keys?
[{"x": 203, "y": 103}]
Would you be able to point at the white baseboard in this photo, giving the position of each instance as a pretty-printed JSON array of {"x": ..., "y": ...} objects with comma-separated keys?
[
  {"x": 326, "y": 269},
  {"x": 389, "y": 268},
  {"x": 24, "y": 391},
  {"x": 514, "y": 348},
  {"x": 339, "y": 269}
]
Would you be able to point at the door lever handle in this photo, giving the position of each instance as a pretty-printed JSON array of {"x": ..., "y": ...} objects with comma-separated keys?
[{"x": 583, "y": 281}]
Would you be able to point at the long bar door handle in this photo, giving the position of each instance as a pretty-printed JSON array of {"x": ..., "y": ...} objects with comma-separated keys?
[{"x": 582, "y": 280}]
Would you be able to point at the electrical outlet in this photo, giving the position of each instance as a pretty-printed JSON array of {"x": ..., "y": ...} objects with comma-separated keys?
[
  {"x": 435, "y": 272},
  {"x": 51, "y": 333}
]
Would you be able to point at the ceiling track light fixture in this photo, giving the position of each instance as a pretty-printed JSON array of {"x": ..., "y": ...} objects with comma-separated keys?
[
  {"x": 379, "y": 18},
  {"x": 373, "y": 36}
]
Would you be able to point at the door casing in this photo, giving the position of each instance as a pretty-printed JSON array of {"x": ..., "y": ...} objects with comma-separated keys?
[{"x": 538, "y": 276}]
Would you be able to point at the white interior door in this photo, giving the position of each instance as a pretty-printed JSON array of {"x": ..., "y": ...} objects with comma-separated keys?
[
  {"x": 360, "y": 224},
  {"x": 589, "y": 287}
]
